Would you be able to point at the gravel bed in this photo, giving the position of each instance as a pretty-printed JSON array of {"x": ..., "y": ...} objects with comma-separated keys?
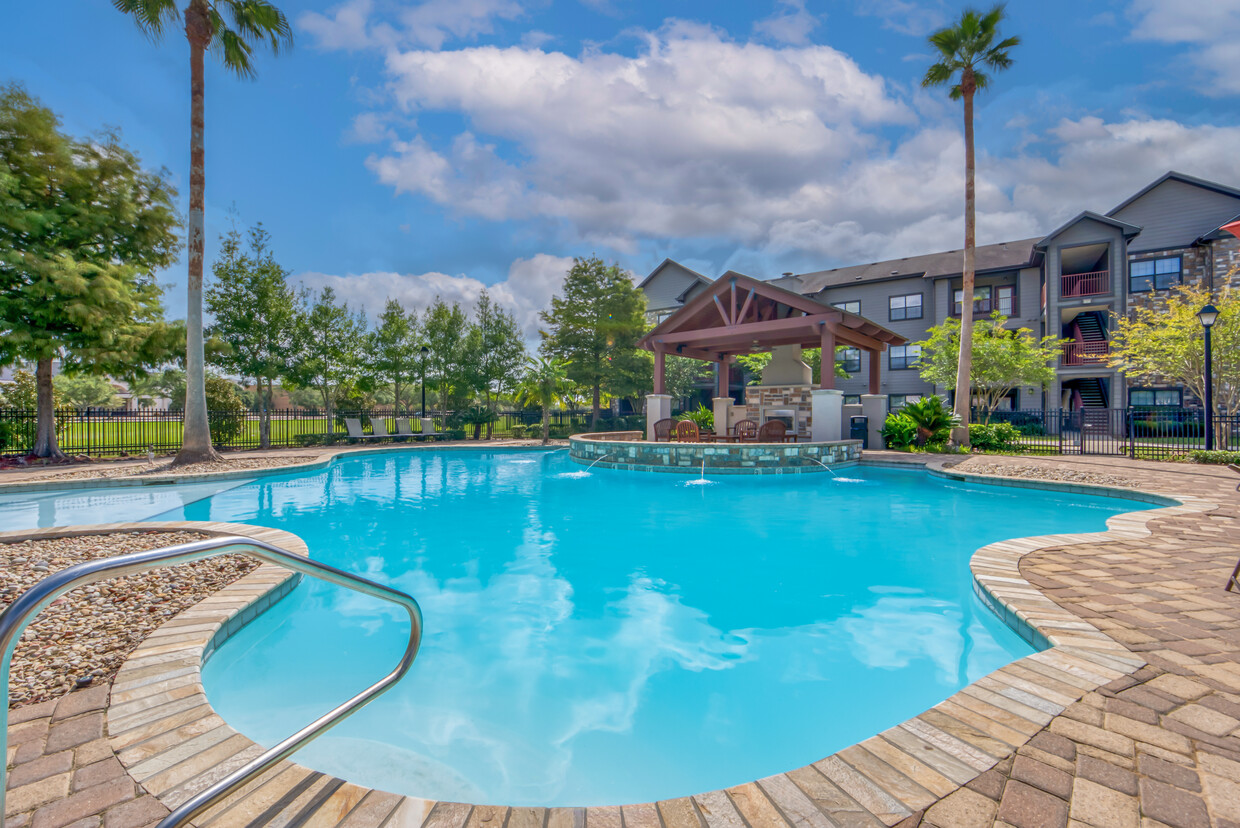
[
  {"x": 1046, "y": 473},
  {"x": 166, "y": 467},
  {"x": 87, "y": 634}
]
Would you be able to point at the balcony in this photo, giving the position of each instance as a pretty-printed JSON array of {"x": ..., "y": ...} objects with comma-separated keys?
[
  {"x": 1072, "y": 285},
  {"x": 982, "y": 308},
  {"x": 1085, "y": 353}
]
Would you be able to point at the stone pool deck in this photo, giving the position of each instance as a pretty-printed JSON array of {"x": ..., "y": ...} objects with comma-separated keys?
[{"x": 1132, "y": 719}]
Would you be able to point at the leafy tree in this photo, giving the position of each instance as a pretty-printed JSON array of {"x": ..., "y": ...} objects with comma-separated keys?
[
  {"x": 255, "y": 314},
  {"x": 87, "y": 391},
  {"x": 327, "y": 344},
  {"x": 232, "y": 28},
  {"x": 394, "y": 349},
  {"x": 1166, "y": 345},
  {"x": 494, "y": 353},
  {"x": 1002, "y": 359},
  {"x": 22, "y": 393},
  {"x": 681, "y": 375},
  {"x": 968, "y": 49},
  {"x": 594, "y": 325},
  {"x": 544, "y": 383},
  {"x": 444, "y": 329},
  {"x": 82, "y": 228}
]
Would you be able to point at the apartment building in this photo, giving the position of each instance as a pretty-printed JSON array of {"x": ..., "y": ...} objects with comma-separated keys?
[{"x": 1070, "y": 283}]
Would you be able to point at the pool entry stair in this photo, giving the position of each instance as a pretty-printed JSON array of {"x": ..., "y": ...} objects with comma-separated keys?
[{"x": 15, "y": 619}]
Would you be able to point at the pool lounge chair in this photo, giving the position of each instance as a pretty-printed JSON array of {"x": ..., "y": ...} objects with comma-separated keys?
[
  {"x": 353, "y": 425},
  {"x": 379, "y": 426},
  {"x": 403, "y": 429}
]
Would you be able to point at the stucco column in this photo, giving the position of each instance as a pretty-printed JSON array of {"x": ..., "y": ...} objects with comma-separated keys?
[
  {"x": 658, "y": 407},
  {"x": 874, "y": 406},
  {"x": 827, "y": 411},
  {"x": 723, "y": 408}
]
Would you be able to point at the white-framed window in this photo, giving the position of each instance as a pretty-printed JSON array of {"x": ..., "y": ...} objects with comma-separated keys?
[
  {"x": 904, "y": 307},
  {"x": 1154, "y": 397},
  {"x": 1154, "y": 274},
  {"x": 901, "y": 357},
  {"x": 897, "y": 401},
  {"x": 852, "y": 306},
  {"x": 849, "y": 358}
]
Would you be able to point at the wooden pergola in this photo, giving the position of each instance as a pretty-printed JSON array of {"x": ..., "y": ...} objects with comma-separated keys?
[{"x": 739, "y": 315}]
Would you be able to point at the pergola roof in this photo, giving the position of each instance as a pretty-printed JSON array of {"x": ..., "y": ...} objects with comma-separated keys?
[{"x": 741, "y": 315}]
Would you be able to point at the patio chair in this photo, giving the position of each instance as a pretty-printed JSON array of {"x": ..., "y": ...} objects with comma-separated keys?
[
  {"x": 353, "y": 425},
  {"x": 663, "y": 430},
  {"x": 403, "y": 429},
  {"x": 773, "y": 431},
  {"x": 379, "y": 426},
  {"x": 687, "y": 432},
  {"x": 745, "y": 431}
]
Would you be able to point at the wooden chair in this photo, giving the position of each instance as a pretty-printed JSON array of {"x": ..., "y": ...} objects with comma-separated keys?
[
  {"x": 773, "y": 431},
  {"x": 687, "y": 432},
  {"x": 745, "y": 431},
  {"x": 663, "y": 430}
]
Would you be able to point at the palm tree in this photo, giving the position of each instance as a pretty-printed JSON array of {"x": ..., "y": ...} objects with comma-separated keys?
[
  {"x": 232, "y": 28},
  {"x": 968, "y": 48},
  {"x": 545, "y": 383}
]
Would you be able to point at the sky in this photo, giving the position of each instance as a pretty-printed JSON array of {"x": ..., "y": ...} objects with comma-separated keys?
[{"x": 412, "y": 149}]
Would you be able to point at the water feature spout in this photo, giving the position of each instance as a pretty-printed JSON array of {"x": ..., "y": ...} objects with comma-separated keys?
[
  {"x": 824, "y": 465},
  {"x": 596, "y": 462}
]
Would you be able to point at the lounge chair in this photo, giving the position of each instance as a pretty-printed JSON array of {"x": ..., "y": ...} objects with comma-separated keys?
[
  {"x": 773, "y": 431},
  {"x": 353, "y": 425},
  {"x": 687, "y": 432},
  {"x": 403, "y": 429},
  {"x": 379, "y": 426},
  {"x": 745, "y": 431},
  {"x": 663, "y": 430}
]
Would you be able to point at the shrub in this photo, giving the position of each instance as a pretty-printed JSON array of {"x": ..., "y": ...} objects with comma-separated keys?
[
  {"x": 702, "y": 416},
  {"x": 517, "y": 432},
  {"x": 933, "y": 419},
  {"x": 225, "y": 410},
  {"x": 899, "y": 431},
  {"x": 1219, "y": 458},
  {"x": 994, "y": 436}
]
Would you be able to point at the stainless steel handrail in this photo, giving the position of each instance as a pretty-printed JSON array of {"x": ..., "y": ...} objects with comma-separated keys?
[{"x": 17, "y": 616}]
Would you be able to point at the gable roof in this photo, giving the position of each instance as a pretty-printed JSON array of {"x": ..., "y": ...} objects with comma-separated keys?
[
  {"x": 1221, "y": 232},
  {"x": 1181, "y": 177},
  {"x": 1129, "y": 230},
  {"x": 989, "y": 257},
  {"x": 698, "y": 276}
]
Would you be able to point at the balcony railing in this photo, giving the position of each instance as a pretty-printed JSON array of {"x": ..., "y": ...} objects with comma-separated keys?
[
  {"x": 1085, "y": 353},
  {"x": 1072, "y": 285},
  {"x": 983, "y": 307}
]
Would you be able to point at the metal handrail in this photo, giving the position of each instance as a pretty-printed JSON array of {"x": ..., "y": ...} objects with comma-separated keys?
[{"x": 17, "y": 616}]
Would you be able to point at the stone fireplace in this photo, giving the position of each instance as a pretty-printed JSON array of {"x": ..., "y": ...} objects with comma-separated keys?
[{"x": 793, "y": 404}]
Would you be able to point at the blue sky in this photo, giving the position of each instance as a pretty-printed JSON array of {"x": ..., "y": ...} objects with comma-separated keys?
[{"x": 417, "y": 148}]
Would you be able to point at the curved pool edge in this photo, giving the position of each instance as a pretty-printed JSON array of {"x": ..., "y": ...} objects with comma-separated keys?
[{"x": 172, "y": 742}]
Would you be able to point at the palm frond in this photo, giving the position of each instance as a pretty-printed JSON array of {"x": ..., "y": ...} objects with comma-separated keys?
[
  {"x": 240, "y": 26},
  {"x": 152, "y": 16},
  {"x": 967, "y": 46}
]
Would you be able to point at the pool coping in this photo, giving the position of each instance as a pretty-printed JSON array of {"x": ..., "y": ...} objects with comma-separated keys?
[{"x": 171, "y": 741}]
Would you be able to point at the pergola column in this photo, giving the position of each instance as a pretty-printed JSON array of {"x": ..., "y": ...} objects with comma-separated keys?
[
  {"x": 660, "y": 370},
  {"x": 826, "y": 369},
  {"x": 876, "y": 370},
  {"x": 724, "y": 377}
]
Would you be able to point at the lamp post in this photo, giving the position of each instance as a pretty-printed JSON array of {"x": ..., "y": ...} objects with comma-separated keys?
[
  {"x": 1208, "y": 316},
  {"x": 425, "y": 351}
]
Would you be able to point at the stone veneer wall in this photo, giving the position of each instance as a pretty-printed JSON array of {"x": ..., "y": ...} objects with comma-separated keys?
[
  {"x": 796, "y": 397},
  {"x": 626, "y": 450}
]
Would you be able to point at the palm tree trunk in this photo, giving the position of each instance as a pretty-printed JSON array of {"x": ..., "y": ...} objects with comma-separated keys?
[
  {"x": 45, "y": 444},
  {"x": 196, "y": 440},
  {"x": 964, "y": 369}
]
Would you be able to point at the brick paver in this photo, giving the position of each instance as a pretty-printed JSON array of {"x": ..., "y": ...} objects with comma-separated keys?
[{"x": 1080, "y": 735}]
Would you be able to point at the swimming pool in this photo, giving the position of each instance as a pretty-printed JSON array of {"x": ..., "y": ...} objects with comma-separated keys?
[{"x": 612, "y": 637}]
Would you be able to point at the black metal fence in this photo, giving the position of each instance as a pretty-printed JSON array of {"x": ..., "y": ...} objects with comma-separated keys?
[
  {"x": 1155, "y": 433},
  {"x": 100, "y": 432}
]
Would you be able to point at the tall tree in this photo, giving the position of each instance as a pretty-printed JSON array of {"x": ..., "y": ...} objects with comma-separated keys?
[
  {"x": 327, "y": 347},
  {"x": 967, "y": 50},
  {"x": 495, "y": 352},
  {"x": 545, "y": 382},
  {"x": 1002, "y": 359},
  {"x": 255, "y": 313},
  {"x": 82, "y": 228},
  {"x": 232, "y": 28},
  {"x": 594, "y": 325},
  {"x": 444, "y": 328},
  {"x": 394, "y": 344}
]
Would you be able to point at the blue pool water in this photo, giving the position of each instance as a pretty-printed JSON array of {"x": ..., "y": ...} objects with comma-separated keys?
[{"x": 615, "y": 637}]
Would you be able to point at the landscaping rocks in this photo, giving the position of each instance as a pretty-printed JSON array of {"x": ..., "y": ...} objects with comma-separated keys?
[
  {"x": 84, "y": 636},
  {"x": 164, "y": 466},
  {"x": 1059, "y": 474}
]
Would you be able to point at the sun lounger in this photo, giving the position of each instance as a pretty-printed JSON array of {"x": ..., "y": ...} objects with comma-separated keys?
[
  {"x": 353, "y": 425},
  {"x": 403, "y": 429},
  {"x": 379, "y": 426}
]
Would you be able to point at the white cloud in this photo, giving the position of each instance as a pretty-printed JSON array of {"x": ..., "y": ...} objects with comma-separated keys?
[
  {"x": 910, "y": 17},
  {"x": 792, "y": 23},
  {"x": 1211, "y": 30},
  {"x": 345, "y": 27},
  {"x": 528, "y": 288},
  {"x": 430, "y": 23}
]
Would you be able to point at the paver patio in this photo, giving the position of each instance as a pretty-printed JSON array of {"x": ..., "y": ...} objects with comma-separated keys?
[{"x": 1158, "y": 747}]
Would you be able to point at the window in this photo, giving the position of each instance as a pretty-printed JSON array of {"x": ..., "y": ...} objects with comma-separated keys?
[
  {"x": 851, "y": 307},
  {"x": 898, "y": 401},
  {"x": 852, "y": 399},
  {"x": 981, "y": 300},
  {"x": 849, "y": 359},
  {"x": 904, "y": 307},
  {"x": 903, "y": 356},
  {"x": 1153, "y": 397},
  {"x": 1005, "y": 300},
  {"x": 1153, "y": 274}
]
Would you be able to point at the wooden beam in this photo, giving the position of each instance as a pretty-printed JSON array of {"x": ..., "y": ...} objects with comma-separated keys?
[
  {"x": 745, "y": 307},
  {"x": 733, "y": 320},
  {"x": 660, "y": 370},
  {"x": 753, "y": 330},
  {"x": 876, "y": 368},
  {"x": 722, "y": 313},
  {"x": 826, "y": 362}
]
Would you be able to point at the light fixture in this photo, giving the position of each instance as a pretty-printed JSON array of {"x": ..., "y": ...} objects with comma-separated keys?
[{"x": 1208, "y": 316}]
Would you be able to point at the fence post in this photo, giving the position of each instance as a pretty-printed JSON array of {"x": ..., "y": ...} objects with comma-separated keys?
[{"x": 1132, "y": 437}]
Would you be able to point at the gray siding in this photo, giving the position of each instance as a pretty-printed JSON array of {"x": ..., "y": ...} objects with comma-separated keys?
[
  {"x": 662, "y": 290},
  {"x": 1175, "y": 214}
]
